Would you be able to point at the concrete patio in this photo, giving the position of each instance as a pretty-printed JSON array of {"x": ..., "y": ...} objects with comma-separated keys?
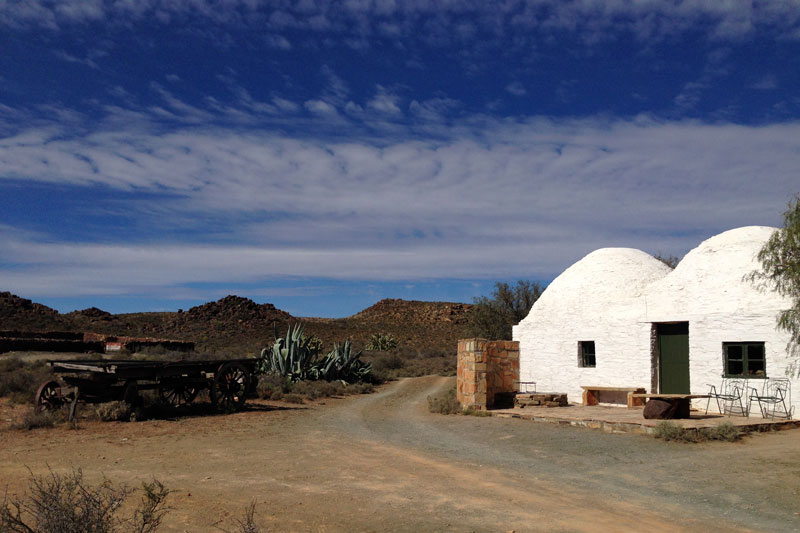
[{"x": 613, "y": 419}]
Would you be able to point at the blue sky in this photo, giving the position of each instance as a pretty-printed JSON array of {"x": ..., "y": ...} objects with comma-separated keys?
[{"x": 157, "y": 154}]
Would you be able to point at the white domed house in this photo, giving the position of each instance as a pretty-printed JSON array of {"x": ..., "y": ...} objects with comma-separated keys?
[{"x": 621, "y": 318}]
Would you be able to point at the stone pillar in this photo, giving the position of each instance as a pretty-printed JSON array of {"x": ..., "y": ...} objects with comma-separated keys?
[{"x": 486, "y": 368}]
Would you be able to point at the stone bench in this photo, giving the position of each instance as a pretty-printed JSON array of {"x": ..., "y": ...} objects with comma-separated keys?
[
  {"x": 591, "y": 394},
  {"x": 540, "y": 399}
]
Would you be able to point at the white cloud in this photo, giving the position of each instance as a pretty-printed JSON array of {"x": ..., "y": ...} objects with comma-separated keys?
[
  {"x": 516, "y": 88},
  {"x": 487, "y": 198},
  {"x": 318, "y": 106},
  {"x": 767, "y": 83},
  {"x": 435, "y": 22},
  {"x": 385, "y": 102}
]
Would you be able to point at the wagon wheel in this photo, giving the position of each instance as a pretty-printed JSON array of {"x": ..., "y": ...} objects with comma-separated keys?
[
  {"x": 177, "y": 394},
  {"x": 48, "y": 397},
  {"x": 230, "y": 386}
]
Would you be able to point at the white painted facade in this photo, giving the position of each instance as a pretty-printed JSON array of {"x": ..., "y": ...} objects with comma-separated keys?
[{"x": 614, "y": 296}]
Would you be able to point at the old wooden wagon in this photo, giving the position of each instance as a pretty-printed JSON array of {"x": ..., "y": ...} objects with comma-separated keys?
[{"x": 229, "y": 382}]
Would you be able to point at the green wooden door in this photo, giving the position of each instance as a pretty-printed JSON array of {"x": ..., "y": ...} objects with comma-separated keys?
[{"x": 673, "y": 346}]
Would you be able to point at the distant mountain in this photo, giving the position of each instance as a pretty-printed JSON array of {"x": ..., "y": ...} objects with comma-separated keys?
[{"x": 238, "y": 326}]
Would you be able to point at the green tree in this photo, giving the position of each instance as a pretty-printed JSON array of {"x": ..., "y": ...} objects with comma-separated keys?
[
  {"x": 669, "y": 260},
  {"x": 492, "y": 318},
  {"x": 780, "y": 271}
]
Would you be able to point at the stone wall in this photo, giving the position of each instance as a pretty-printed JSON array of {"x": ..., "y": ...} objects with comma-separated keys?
[{"x": 486, "y": 368}]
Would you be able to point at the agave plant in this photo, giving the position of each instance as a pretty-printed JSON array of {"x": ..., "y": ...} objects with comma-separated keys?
[
  {"x": 342, "y": 364},
  {"x": 293, "y": 356}
]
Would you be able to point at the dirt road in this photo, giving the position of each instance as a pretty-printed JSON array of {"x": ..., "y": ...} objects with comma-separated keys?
[{"x": 383, "y": 463}]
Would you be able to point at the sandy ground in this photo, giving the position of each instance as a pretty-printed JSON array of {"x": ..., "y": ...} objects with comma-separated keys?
[{"x": 381, "y": 462}]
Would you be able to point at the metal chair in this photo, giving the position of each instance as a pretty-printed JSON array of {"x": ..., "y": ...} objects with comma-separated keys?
[
  {"x": 775, "y": 393},
  {"x": 729, "y": 394}
]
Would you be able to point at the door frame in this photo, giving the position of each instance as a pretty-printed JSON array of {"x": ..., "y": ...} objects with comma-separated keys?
[{"x": 655, "y": 355}]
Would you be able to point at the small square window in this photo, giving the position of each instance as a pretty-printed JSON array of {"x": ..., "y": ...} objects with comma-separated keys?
[
  {"x": 744, "y": 360},
  {"x": 587, "y": 354}
]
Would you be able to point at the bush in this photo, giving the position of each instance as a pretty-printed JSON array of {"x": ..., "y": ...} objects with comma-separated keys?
[
  {"x": 247, "y": 524},
  {"x": 318, "y": 389},
  {"x": 445, "y": 403},
  {"x": 33, "y": 419},
  {"x": 113, "y": 411},
  {"x": 19, "y": 380},
  {"x": 390, "y": 362},
  {"x": 273, "y": 387},
  {"x": 668, "y": 430},
  {"x": 66, "y": 503},
  {"x": 492, "y": 318},
  {"x": 382, "y": 342},
  {"x": 725, "y": 431},
  {"x": 293, "y": 398}
]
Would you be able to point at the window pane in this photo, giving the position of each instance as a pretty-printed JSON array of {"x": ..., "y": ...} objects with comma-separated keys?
[
  {"x": 756, "y": 364},
  {"x": 587, "y": 353},
  {"x": 755, "y": 351},
  {"x": 734, "y": 352},
  {"x": 734, "y": 367}
]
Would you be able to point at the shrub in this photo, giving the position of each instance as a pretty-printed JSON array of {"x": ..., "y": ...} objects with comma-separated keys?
[
  {"x": 113, "y": 411},
  {"x": 382, "y": 342},
  {"x": 362, "y": 388},
  {"x": 668, "y": 430},
  {"x": 33, "y": 419},
  {"x": 273, "y": 387},
  {"x": 293, "y": 398},
  {"x": 445, "y": 403},
  {"x": 493, "y": 317},
  {"x": 19, "y": 380},
  {"x": 725, "y": 431},
  {"x": 66, "y": 503},
  {"x": 318, "y": 389},
  {"x": 391, "y": 362},
  {"x": 247, "y": 524}
]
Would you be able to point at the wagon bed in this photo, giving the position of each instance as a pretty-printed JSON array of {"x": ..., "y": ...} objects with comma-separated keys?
[{"x": 229, "y": 381}]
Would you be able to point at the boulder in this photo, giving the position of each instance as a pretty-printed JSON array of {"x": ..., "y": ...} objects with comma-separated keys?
[{"x": 660, "y": 409}]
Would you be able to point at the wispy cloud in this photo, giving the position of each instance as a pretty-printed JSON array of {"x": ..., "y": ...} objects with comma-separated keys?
[
  {"x": 516, "y": 88},
  {"x": 767, "y": 83},
  {"x": 456, "y": 21},
  {"x": 480, "y": 198}
]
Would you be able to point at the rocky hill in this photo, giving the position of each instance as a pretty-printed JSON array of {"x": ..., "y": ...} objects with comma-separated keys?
[
  {"x": 238, "y": 326},
  {"x": 20, "y": 314}
]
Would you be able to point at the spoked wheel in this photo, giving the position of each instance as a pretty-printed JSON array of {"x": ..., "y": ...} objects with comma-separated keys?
[
  {"x": 48, "y": 397},
  {"x": 230, "y": 386},
  {"x": 177, "y": 394}
]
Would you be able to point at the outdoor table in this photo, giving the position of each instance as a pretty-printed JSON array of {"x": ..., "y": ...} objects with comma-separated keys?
[{"x": 681, "y": 402}]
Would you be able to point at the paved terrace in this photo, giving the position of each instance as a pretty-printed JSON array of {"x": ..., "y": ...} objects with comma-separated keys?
[{"x": 614, "y": 419}]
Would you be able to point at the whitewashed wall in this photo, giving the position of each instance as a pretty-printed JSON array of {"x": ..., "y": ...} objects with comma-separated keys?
[
  {"x": 598, "y": 299},
  {"x": 612, "y": 296}
]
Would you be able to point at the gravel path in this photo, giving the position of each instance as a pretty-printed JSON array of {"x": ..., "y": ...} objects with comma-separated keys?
[{"x": 381, "y": 462}]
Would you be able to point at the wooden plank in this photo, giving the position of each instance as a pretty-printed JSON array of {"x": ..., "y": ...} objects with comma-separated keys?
[
  {"x": 671, "y": 396},
  {"x": 616, "y": 389}
]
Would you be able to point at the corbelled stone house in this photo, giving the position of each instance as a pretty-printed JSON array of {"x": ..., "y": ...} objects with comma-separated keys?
[{"x": 621, "y": 318}]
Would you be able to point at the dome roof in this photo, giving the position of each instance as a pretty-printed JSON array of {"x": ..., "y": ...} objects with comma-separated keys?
[
  {"x": 723, "y": 258},
  {"x": 607, "y": 273}
]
